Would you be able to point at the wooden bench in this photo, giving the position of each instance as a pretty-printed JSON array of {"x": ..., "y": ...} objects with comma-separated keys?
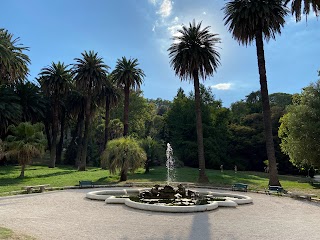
[
  {"x": 240, "y": 187},
  {"x": 315, "y": 182},
  {"x": 301, "y": 195},
  {"x": 275, "y": 189},
  {"x": 40, "y": 188},
  {"x": 85, "y": 183}
]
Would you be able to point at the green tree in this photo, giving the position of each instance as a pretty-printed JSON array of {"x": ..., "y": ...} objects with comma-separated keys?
[
  {"x": 25, "y": 142},
  {"x": 89, "y": 72},
  {"x": 300, "y": 128},
  {"x": 13, "y": 61},
  {"x": 124, "y": 154},
  {"x": 10, "y": 108},
  {"x": 55, "y": 81},
  {"x": 250, "y": 21},
  {"x": 193, "y": 56},
  {"x": 296, "y": 7},
  {"x": 127, "y": 76},
  {"x": 33, "y": 104}
]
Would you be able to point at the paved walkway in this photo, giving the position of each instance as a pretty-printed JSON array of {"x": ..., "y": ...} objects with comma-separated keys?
[{"x": 68, "y": 215}]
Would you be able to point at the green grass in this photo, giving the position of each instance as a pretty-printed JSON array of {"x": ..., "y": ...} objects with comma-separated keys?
[
  {"x": 8, "y": 234},
  {"x": 68, "y": 176}
]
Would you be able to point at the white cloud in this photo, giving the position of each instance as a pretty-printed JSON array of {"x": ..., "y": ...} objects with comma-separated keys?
[
  {"x": 222, "y": 86},
  {"x": 204, "y": 13},
  {"x": 165, "y": 8},
  {"x": 174, "y": 29},
  {"x": 153, "y": 2}
]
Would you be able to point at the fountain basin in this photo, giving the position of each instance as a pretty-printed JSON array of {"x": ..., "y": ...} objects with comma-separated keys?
[{"x": 122, "y": 197}]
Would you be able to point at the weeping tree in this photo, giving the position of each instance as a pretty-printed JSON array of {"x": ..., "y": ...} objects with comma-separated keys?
[
  {"x": 255, "y": 21},
  {"x": 123, "y": 154},
  {"x": 193, "y": 56},
  {"x": 25, "y": 142}
]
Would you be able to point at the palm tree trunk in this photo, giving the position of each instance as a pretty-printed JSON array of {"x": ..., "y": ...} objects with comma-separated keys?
[
  {"x": 123, "y": 176},
  {"x": 202, "y": 173},
  {"x": 53, "y": 150},
  {"x": 273, "y": 172},
  {"x": 106, "y": 130},
  {"x": 126, "y": 111},
  {"x": 106, "y": 123},
  {"x": 60, "y": 143},
  {"x": 78, "y": 138},
  {"x": 23, "y": 167},
  {"x": 85, "y": 141}
]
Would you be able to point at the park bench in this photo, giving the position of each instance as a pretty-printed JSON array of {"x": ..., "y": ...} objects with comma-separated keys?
[
  {"x": 85, "y": 183},
  {"x": 40, "y": 188},
  {"x": 301, "y": 195},
  {"x": 240, "y": 187},
  {"x": 315, "y": 182},
  {"x": 275, "y": 189}
]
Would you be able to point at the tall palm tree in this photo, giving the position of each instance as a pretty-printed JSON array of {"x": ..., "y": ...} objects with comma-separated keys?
[
  {"x": 111, "y": 95},
  {"x": 89, "y": 74},
  {"x": 27, "y": 141},
  {"x": 55, "y": 81},
  {"x": 127, "y": 76},
  {"x": 123, "y": 154},
  {"x": 258, "y": 20},
  {"x": 13, "y": 61},
  {"x": 193, "y": 55},
  {"x": 296, "y": 7}
]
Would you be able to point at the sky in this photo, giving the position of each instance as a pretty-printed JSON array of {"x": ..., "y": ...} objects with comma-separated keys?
[{"x": 60, "y": 30}]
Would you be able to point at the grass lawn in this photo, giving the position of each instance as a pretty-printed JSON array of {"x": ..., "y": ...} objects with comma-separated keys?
[
  {"x": 6, "y": 233},
  {"x": 68, "y": 176}
]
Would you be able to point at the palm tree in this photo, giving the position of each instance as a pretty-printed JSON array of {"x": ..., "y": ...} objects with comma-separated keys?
[
  {"x": 127, "y": 75},
  {"x": 10, "y": 108},
  {"x": 193, "y": 55},
  {"x": 111, "y": 94},
  {"x": 296, "y": 7},
  {"x": 32, "y": 102},
  {"x": 258, "y": 20},
  {"x": 27, "y": 141},
  {"x": 89, "y": 74},
  {"x": 13, "y": 62},
  {"x": 55, "y": 81},
  {"x": 123, "y": 154}
]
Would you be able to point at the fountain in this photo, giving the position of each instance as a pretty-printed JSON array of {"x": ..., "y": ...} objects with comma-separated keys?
[
  {"x": 170, "y": 164},
  {"x": 168, "y": 198}
]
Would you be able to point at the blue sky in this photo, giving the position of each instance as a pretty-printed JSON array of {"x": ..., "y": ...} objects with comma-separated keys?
[{"x": 61, "y": 30}]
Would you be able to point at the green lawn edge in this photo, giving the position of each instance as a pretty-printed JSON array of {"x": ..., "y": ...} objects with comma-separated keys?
[{"x": 63, "y": 176}]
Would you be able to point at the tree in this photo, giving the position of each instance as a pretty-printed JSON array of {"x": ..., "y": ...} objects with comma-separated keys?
[
  {"x": 13, "y": 62},
  {"x": 89, "y": 74},
  {"x": 112, "y": 96},
  {"x": 300, "y": 128},
  {"x": 296, "y": 7},
  {"x": 10, "y": 108},
  {"x": 193, "y": 55},
  {"x": 258, "y": 20},
  {"x": 127, "y": 76},
  {"x": 55, "y": 81},
  {"x": 25, "y": 142},
  {"x": 124, "y": 154}
]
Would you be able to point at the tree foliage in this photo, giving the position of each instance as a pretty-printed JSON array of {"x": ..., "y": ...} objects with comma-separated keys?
[
  {"x": 300, "y": 128},
  {"x": 124, "y": 154}
]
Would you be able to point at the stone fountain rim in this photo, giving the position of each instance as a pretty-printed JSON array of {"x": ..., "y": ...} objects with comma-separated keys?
[{"x": 110, "y": 196}]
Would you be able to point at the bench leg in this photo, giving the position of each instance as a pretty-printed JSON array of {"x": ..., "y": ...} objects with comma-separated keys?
[{"x": 42, "y": 188}]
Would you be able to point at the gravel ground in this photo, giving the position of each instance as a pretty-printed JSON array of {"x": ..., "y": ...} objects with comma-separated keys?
[{"x": 69, "y": 215}]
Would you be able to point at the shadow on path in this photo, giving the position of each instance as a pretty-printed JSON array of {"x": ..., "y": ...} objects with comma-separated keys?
[{"x": 200, "y": 227}]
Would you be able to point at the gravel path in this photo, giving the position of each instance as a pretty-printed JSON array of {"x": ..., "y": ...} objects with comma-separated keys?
[{"x": 68, "y": 215}]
